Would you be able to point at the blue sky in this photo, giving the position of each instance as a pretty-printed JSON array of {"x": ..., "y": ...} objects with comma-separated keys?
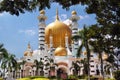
[{"x": 17, "y": 31}]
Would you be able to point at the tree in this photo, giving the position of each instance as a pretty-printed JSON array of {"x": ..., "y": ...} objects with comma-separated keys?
[
  {"x": 76, "y": 67},
  {"x": 10, "y": 62},
  {"x": 3, "y": 52},
  {"x": 22, "y": 69},
  {"x": 108, "y": 17},
  {"x": 39, "y": 65},
  {"x": 97, "y": 43},
  {"x": 100, "y": 42},
  {"x": 84, "y": 37}
]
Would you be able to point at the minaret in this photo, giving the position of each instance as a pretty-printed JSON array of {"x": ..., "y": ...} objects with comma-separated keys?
[
  {"x": 74, "y": 18},
  {"x": 42, "y": 26}
]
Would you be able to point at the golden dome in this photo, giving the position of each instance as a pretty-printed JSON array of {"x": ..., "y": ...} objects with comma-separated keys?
[
  {"x": 60, "y": 51},
  {"x": 58, "y": 31},
  {"x": 74, "y": 13}
]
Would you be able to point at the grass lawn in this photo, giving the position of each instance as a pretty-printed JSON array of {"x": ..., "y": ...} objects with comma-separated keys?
[
  {"x": 33, "y": 78},
  {"x": 1, "y": 79}
]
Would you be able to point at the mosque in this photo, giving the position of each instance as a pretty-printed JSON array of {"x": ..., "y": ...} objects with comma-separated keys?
[{"x": 56, "y": 50}]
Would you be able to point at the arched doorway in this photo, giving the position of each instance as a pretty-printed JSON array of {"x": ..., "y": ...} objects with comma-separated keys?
[
  {"x": 62, "y": 73},
  {"x": 28, "y": 71}
]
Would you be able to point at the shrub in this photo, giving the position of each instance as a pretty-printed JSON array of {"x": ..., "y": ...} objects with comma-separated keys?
[
  {"x": 52, "y": 77},
  {"x": 109, "y": 79},
  {"x": 117, "y": 75},
  {"x": 82, "y": 76},
  {"x": 72, "y": 77},
  {"x": 93, "y": 78},
  {"x": 34, "y": 78}
]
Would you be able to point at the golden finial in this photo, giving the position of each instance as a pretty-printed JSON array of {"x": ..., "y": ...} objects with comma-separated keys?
[
  {"x": 42, "y": 12},
  {"x": 74, "y": 12},
  {"x": 57, "y": 17}
]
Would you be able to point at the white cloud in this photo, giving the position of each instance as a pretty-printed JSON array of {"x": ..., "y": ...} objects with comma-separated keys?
[
  {"x": 62, "y": 17},
  {"x": 29, "y": 32},
  {"x": 84, "y": 17},
  {"x": 67, "y": 21},
  {"x": 3, "y": 14}
]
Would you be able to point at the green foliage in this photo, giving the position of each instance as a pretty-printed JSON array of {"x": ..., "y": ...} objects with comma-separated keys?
[
  {"x": 52, "y": 77},
  {"x": 109, "y": 79},
  {"x": 82, "y": 76},
  {"x": 71, "y": 77},
  {"x": 34, "y": 78},
  {"x": 117, "y": 75},
  {"x": 94, "y": 78}
]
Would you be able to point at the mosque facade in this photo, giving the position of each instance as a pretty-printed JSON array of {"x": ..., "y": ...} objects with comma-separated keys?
[{"x": 56, "y": 51}]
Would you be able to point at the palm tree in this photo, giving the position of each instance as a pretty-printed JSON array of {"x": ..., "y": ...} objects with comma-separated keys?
[
  {"x": 98, "y": 43},
  {"x": 84, "y": 37},
  {"x": 3, "y": 52},
  {"x": 22, "y": 64},
  {"x": 10, "y": 61},
  {"x": 76, "y": 67},
  {"x": 38, "y": 65}
]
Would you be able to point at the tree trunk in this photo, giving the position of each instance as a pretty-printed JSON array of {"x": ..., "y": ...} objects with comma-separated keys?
[
  {"x": 88, "y": 60},
  {"x": 101, "y": 65}
]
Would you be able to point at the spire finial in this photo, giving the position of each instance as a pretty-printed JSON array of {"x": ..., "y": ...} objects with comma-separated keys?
[
  {"x": 57, "y": 17},
  {"x": 29, "y": 45}
]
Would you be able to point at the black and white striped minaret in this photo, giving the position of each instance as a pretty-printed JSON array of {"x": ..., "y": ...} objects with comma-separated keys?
[
  {"x": 74, "y": 18},
  {"x": 42, "y": 26}
]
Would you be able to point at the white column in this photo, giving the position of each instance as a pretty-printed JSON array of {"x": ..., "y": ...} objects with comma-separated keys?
[
  {"x": 111, "y": 75},
  {"x": 66, "y": 40}
]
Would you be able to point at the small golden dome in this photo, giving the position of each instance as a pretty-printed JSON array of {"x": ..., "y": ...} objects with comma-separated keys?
[
  {"x": 104, "y": 56},
  {"x": 74, "y": 13},
  {"x": 60, "y": 51},
  {"x": 42, "y": 12},
  {"x": 58, "y": 30},
  {"x": 85, "y": 52},
  {"x": 27, "y": 53}
]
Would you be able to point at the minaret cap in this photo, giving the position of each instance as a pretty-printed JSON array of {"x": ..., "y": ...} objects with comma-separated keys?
[
  {"x": 42, "y": 12},
  {"x": 74, "y": 13}
]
